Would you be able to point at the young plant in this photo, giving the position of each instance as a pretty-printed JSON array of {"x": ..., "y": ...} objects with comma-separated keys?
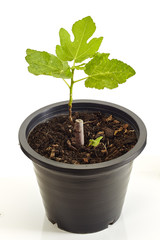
[
  {"x": 100, "y": 72},
  {"x": 95, "y": 142}
]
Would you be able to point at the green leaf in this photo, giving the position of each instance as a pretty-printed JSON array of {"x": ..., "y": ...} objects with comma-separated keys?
[
  {"x": 103, "y": 72},
  {"x": 95, "y": 142},
  {"x": 43, "y": 63},
  {"x": 79, "y": 49}
]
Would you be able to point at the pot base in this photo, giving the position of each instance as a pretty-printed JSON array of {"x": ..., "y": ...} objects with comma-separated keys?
[{"x": 82, "y": 229}]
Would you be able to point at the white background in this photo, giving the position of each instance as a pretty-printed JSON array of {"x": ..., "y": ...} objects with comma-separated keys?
[{"x": 131, "y": 33}]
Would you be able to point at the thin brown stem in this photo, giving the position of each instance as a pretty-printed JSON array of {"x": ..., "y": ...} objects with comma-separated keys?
[{"x": 70, "y": 113}]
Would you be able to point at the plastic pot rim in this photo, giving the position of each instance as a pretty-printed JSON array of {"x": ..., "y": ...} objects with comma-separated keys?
[{"x": 114, "y": 163}]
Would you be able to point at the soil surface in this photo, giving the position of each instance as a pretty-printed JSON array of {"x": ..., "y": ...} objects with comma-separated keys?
[{"x": 55, "y": 138}]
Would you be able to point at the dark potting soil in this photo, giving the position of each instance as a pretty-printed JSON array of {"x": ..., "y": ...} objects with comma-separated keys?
[{"x": 55, "y": 140}]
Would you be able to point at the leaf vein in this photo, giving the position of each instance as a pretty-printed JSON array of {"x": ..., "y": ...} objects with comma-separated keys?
[{"x": 80, "y": 42}]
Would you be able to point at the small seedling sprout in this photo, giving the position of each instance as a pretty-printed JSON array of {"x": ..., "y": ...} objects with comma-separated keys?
[{"x": 95, "y": 142}]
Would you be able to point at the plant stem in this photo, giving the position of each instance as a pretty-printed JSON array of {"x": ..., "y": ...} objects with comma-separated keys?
[
  {"x": 70, "y": 96},
  {"x": 71, "y": 90},
  {"x": 80, "y": 79},
  {"x": 66, "y": 82}
]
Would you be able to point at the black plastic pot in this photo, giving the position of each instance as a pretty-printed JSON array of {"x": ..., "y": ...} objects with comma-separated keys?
[{"x": 83, "y": 198}]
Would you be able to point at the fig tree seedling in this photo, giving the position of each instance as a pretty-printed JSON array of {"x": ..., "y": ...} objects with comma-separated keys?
[{"x": 99, "y": 72}]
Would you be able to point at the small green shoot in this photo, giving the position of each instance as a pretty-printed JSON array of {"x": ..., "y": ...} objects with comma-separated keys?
[
  {"x": 95, "y": 143},
  {"x": 100, "y": 72}
]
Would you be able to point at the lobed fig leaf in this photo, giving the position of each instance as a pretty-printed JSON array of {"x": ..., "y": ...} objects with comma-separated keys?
[
  {"x": 103, "y": 72},
  {"x": 43, "y": 63},
  {"x": 79, "y": 49}
]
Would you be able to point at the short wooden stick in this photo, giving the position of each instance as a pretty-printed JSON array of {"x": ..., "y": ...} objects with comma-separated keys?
[{"x": 79, "y": 132}]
